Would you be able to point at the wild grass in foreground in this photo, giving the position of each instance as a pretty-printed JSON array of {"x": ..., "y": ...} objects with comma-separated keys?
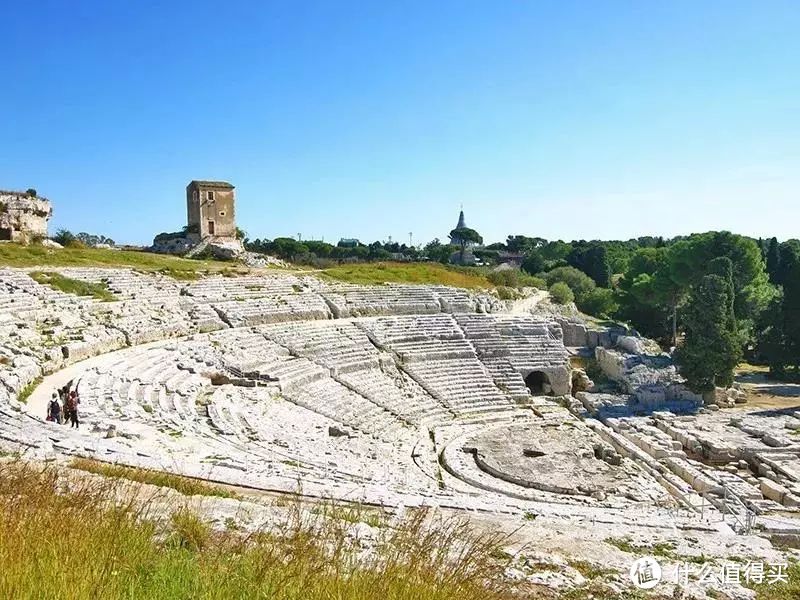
[
  {"x": 184, "y": 485},
  {"x": 429, "y": 273},
  {"x": 68, "y": 285},
  {"x": 71, "y": 538}
]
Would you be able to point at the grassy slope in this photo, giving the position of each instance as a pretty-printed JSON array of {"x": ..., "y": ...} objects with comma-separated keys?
[
  {"x": 14, "y": 255},
  {"x": 431, "y": 273}
]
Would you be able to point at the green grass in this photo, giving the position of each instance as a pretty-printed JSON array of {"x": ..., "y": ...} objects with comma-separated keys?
[
  {"x": 15, "y": 255},
  {"x": 99, "y": 291},
  {"x": 663, "y": 549},
  {"x": 351, "y": 513},
  {"x": 781, "y": 591},
  {"x": 26, "y": 392},
  {"x": 184, "y": 485},
  {"x": 390, "y": 272},
  {"x": 590, "y": 570},
  {"x": 82, "y": 538}
]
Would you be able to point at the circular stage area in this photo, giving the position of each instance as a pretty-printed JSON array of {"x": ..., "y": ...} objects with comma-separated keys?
[{"x": 558, "y": 458}]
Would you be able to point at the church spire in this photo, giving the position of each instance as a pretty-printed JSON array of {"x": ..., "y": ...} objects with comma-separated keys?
[{"x": 461, "y": 222}]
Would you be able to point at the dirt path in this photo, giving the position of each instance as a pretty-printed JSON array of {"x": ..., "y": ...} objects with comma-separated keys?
[
  {"x": 526, "y": 305},
  {"x": 768, "y": 393}
]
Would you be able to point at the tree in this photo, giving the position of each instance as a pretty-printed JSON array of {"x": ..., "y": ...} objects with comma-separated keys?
[
  {"x": 64, "y": 237},
  {"x": 92, "y": 240},
  {"x": 463, "y": 237},
  {"x": 31, "y": 192},
  {"x": 438, "y": 252},
  {"x": 523, "y": 244},
  {"x": 688, "y": 260},
  {"x": 580, "y": 283},
  {"x": 533, "y": 262},
  {"x": 591, "y": 259},
  {"x": 711, "y": 349},
  {"x": 557, "y": 250},
  {"x": 786, "y": 258},
  {"x": 286, "y": 248},
  {"x": 319, "y": 248},
  {"x": 561, "y": 293},
  {"x": 599, "y": 302},
  {"x": 499, "y": 246},
  {"x": 723, "y": 267},
  {"x": 772, "y": 259}
]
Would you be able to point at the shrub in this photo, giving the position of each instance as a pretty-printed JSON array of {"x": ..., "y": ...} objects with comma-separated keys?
[
  {"x": 507, "y": 293},
  {"x": 599, "y": 302},
  {"x": 503, "y": 277},
  {"x": 63, "y": 237},
  {"x": 31, "y": 192},
  {"x": 76, "y": 244},
  {"x": 578, "y": 281},
  {"x": 561, "y": 293},
  {"x": 531, "y": 281},
  {"x": 514, "y": 278}
]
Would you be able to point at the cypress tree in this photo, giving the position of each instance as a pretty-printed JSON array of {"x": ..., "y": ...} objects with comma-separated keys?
[
  {"x": 710, "y": 349},
  {"x": 773, "y": 260},
  {"x": 791, "y": 309}
]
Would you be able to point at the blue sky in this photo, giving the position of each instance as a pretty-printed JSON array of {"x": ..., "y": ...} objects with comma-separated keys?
[{"x": 559, "y": 119}]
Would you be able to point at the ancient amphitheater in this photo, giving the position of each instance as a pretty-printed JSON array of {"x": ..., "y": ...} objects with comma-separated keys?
[{"x": 400, "y": 396}]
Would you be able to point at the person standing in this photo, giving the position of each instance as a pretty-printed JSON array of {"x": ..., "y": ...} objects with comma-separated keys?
[
  {"x": 72, "y": 405},
  {"x": 54, "y": 409}
]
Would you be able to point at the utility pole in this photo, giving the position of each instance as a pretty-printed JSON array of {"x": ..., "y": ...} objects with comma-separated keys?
[{"x": 410, "y": 239}]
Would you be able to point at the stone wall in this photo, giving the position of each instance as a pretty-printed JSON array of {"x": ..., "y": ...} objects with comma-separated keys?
[{"x": 23, "y": 218}]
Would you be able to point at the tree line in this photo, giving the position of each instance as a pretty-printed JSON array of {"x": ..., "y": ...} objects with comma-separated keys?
[{"x": 716, "y": 297}]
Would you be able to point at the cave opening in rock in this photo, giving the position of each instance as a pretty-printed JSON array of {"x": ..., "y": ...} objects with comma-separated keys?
[{"x": 538, "y": 383}]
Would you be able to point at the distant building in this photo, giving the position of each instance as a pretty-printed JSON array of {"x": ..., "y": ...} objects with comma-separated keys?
[
  {"x": 349, "y": 243},
  {"x": 465, "y": 257},
  {"x": 210, "y": 208},
  {"x": 510, "y": 258},
  {"x": 462, "y": 224}
]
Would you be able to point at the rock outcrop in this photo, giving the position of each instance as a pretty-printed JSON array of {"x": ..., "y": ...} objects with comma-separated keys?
[{"x": 23, "y": 217}]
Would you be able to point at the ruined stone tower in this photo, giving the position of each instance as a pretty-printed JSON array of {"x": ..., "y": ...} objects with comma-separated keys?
[
  {"x": 23, "y": 216},
  {"x": 210, "y": 209}
]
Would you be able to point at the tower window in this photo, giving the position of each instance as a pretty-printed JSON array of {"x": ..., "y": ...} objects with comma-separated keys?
[
  {"x": 222, "y": 213},
  {"x": 210, "y": 195}
]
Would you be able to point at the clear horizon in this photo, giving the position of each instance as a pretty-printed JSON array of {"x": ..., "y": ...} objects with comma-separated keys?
[{"x": 564, "y": 120}]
